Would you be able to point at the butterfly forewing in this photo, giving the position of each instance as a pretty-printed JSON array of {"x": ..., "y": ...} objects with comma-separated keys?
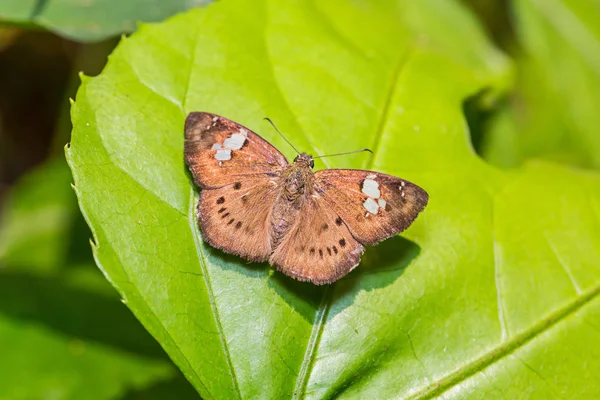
[
  {"x": 237, "y": 171},
  {"x": 372, "y": 205},
  {"x": 318, "y": 247},
  {"x": 219, "y": 151},
  {"x": 236, "y": 217}
]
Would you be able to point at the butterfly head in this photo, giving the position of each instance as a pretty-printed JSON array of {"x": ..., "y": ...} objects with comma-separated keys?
[{"x": 306, "y": 159}]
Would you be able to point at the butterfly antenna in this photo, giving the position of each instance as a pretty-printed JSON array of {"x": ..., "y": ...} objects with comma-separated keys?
[
  {"x": 343, "y": 154},
  {"x": 284, "y": 138}
]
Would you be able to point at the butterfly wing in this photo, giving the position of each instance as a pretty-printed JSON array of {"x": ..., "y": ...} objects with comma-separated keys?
[
  {"x": 316, "y": 248},
  {"x": 219, "y": 152},
  {"x": 236, "y": 217},
  {"x": 238, "y": 173},
  {"x": 372, "y": 205}
]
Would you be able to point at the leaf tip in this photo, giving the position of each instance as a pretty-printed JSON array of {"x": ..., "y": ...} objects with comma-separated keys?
[
  {"x": 67, "y": 150},
  {"x": 83, "y": 77}
]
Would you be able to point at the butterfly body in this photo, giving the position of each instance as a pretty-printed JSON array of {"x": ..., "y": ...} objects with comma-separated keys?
[
  {"x": 311, "y": 226},
  {"x": 296, "y": 181}
]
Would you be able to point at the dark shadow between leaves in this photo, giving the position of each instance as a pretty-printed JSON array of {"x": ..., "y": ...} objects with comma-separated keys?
[
  {"x": 79, "y": 250},
  {"x": 75, "y": 313},
  {"x": 478, "y": 112}
]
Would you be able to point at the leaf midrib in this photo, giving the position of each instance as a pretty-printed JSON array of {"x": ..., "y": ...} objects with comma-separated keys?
[
  {"x": 325, "y": 305},
  {"x": 313, "y": 343},
  {"x": 96, "y": 248},
  {"x": 389, "y": 98},
  {"x": 193, "y": 232},
  {"x": 211, "y": 295}
]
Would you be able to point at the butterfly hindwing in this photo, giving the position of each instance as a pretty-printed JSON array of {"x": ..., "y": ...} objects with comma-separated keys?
[
  {"x": 236, "y": 218},
  {"x": 219, "y": 151},
  {"x": 318, "y": 247},
  {"x": 374, "y": 206}
]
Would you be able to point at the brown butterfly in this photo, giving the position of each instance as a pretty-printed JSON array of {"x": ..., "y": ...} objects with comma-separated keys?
[{"x": 311, "y": 226}]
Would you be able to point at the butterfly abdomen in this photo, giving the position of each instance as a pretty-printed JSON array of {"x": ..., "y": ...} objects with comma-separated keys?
[
  {"x": 296, "y": 183},
  {"x": 283, "y": 216}
]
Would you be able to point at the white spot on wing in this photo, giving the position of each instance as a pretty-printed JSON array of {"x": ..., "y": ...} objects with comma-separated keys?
[
  {"x": 244, "y": 132},
  {"x": 371, "y": 188},
  {"x": 235, "y": 142},
  {"x": 216, "y": 146},
  {"x": 371, "y": 206},
  {"x": 381, "y": 203},
  {"x": 215, "y": 119},
  {"x": 372, "y": 176},
  {"x": 223, "y": 155}
]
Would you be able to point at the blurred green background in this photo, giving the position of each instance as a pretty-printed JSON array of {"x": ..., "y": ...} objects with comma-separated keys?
[{"x": 63, "y": 331}]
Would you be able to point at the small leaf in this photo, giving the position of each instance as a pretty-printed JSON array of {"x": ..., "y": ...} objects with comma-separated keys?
[
  {"x": 491, "y": 293},
  {"x": 92, "y": 20}
]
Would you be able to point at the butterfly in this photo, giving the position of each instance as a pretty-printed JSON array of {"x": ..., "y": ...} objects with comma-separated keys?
[{"x": 312, "y": 226}]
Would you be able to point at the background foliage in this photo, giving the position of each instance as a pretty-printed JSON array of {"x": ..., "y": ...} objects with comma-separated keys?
[{"x": 494, "y": 295}]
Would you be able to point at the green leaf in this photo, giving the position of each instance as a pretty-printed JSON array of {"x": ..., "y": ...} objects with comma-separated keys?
[
  {"x": 53, "y": 348},
  {"x": 17, "y": 10},
  {"x": 94, "y": 20},
  {"x": 57, "y": 310},
  {"x": 495, "y": 293},
  {"x": 37, "y": 218},
  {"x": 554, "y": 110}
]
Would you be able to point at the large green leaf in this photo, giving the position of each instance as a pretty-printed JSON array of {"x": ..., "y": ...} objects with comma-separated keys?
[
  {"x": 91, "y": 20},
  {"x": 495, "y": 294},
  {"x": 553, "y": 113}
]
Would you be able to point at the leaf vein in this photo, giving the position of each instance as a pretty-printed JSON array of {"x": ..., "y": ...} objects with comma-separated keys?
[
  {"x": 96, "y": 249},
  {"x": 211, "y": 296},
  {"x": 313, "y": 343},
  {"x": 563, "y": 263},
  {"x": 386, "y": 109},
  {"x": 497, "y": 254},
  {"x": 539, "y": 375},
  {"x": 507, "y": 348}
]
